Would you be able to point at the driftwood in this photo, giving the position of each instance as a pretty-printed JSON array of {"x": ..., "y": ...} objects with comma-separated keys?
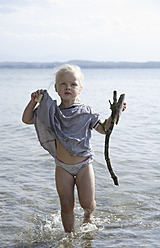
[{"x": 116, "y": 109}]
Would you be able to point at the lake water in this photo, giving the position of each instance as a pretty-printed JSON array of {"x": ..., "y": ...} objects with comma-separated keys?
[{"x": 125, "y": 216}]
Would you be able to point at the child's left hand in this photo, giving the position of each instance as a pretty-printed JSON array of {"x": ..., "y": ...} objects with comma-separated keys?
[
  {"x": 124, "y": 106},
  {"x": 118, "y": 113}
]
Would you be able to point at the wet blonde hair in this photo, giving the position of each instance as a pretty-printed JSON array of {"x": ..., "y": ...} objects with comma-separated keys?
[{"x": 76, "y": 70}]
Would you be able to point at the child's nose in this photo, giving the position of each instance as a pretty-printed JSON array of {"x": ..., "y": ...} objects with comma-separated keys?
[{"x": 68, "y": 86}]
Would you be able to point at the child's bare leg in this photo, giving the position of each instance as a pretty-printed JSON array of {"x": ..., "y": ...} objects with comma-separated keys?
[
  {"x": 65, "y": 187},
  {"x": 86, "y": 191}
]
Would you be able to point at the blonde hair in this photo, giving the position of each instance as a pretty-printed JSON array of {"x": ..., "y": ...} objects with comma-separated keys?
[{"x": 76, "y": 70}]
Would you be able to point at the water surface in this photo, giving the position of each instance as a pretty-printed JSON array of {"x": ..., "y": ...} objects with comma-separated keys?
[{"x": 126, "y": 216}]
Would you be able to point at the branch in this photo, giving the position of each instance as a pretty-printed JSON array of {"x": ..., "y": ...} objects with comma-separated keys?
[{"x": 116, "y": 109}]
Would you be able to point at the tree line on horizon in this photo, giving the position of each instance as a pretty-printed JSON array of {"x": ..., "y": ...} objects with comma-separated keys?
[{"x": 81, "y": 63}]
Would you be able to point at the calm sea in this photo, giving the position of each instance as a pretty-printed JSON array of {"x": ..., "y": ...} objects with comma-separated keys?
[{"x": 126, "y": 216}]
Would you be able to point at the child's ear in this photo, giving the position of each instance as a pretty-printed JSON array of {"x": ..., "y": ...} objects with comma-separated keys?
[
  {"x": 55, "y": 86},
  {"x": 80, "y": 89}
]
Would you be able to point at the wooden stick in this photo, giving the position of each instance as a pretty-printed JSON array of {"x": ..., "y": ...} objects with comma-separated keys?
[{"x": 116, "y": 108}]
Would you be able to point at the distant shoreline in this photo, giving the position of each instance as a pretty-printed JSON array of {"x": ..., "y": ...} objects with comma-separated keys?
[{"x": 82, "y": 63}]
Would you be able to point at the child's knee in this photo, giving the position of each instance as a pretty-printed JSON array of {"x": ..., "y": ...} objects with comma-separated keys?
[
  {"x": 89, "y": 206},
  {"x": 67, "y": 206}
]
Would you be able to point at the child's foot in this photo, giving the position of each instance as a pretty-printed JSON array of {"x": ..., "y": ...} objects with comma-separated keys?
[{"x": 88, "y": 218}]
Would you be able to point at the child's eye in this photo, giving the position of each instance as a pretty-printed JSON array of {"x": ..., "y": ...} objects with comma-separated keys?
[{"x": 74, "y": 84}]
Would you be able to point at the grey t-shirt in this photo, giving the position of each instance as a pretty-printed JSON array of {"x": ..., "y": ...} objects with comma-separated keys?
[{"x": 70, "y": 126}]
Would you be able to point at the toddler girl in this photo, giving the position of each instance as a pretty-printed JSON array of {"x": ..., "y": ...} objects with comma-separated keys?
[{"x": 65, "y": 132}]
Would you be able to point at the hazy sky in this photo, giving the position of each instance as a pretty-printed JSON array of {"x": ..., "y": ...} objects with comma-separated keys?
[{"x": 61, "y": 30}]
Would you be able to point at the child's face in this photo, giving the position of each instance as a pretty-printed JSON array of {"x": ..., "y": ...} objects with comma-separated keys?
[{"x": 68, "y": 87}]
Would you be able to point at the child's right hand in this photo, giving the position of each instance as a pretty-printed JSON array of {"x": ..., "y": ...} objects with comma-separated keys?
[{"x": 35, "y": 95}]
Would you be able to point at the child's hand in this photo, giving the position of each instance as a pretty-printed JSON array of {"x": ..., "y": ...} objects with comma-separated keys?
[
  {"x": 118, "y": 112},
  {"x": 35, "y": 95},
  {"x": 124, "y": 106}
]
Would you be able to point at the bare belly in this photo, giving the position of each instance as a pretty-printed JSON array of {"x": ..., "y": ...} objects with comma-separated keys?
[{"x": 65, "y": 156}]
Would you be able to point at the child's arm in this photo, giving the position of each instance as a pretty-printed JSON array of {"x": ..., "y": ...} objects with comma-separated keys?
[
  {"x": 100, "y": 129},
  {"x": 27, "y": 117}
]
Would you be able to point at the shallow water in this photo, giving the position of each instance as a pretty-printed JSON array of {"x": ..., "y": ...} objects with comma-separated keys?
[{"x": 125, "y": 216}]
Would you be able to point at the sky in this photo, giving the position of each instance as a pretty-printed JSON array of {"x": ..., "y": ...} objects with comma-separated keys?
[{"x": 62, "y": 30}]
